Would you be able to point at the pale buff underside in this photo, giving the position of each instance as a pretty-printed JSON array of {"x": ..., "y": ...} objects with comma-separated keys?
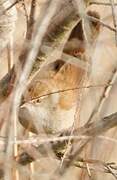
[{"x": 53, "y": 112}]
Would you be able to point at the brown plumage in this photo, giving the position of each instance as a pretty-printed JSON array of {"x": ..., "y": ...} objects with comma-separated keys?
[{"x": 45, "y": 109}]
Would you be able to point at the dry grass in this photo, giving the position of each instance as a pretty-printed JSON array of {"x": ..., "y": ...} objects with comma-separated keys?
[{"x": 85, "y": 75}]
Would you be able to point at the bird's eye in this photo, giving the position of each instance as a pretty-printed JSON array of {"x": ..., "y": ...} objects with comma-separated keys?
[
  {"x": 29, "y": 89},
  {"x": 34, "y": 101},
  {"x": 38, "y": 101},
  {"x": 75, "y": 53}
]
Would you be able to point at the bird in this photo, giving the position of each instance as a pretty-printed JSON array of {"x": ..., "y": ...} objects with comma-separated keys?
[
  {"x": 53, "y": 108},
  {"x": 51, "y": 98}
]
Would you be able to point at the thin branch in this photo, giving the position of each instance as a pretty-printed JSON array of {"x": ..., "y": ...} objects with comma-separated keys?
[
  {"x": 13, "y": 4},
  {"x": 21, "y": 79},
  {"x": 97, "y": 165},
  {"x": 57, "y": 34},
  {"x": 31, "y": 21},
  {"x": 100, "y": 3},
  {"x": 111, "y": 171},
  {"x": 68, "y": 58},
  {"x": 101, "y": 22},
  {"x": 26, "y": 14},
  {"x": 103, "y": 96},
  {"x": 92, "y": 130},
  {"x": 59, "y": 29},
  {"x": 111, "y": 80},
  {"x": 71, "y": 89},
  {"x": 10, "y": 54},
  {"x": 88, "y": 132},
  {"x": 114, "y": 18},
  {"x": 88, "y": 170}
]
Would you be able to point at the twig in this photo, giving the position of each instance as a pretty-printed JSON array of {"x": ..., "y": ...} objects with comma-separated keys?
[
  {"x": 13, "y": 4},
  {"x": 101, "y": 3},
  {"x": 114, "y": 18},
  {"x": 94, "y": 129},
  {"x": 68, "y": 18},
  {"x": 103, "y": 96},
  {"x": 71, "y": 89},
  {"x": 57, "y": 34},
  {"x": 47, "y": 50},
  {"x": 85, "y": 133},
  {"x": 97, "y": 165},
  {"x": 101, "y": 22},
  {"x": 10, "y": 54},
  {"x": 111, "y": 171},
  {"x": 88, "y": 170},
  {"x": 20, "y": 87},
  {"x": 94, "y": 165},
  {"x": 26, "y": 13},
  {"x": 30, "y": 23},
  {"x": 106, "y": 89}
]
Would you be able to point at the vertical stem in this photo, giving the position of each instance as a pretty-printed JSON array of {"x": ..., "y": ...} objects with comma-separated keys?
[
  {"x": 114, "y": 18},
  {"x": 10, "y": 54},
  {"x": 30, "y": 25}
]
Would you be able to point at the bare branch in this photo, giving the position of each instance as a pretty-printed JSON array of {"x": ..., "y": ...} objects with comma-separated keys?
[
  {"x": 90, "y": 131},
  {"x": 71, "y": 89},
  {"x": 30, "y": 25},
  {"x": 114, "y": 18},
  {"x": 59, "y": 29},
  {"x": 100, "y": 3},
  {"x": 101, "y": 22}
]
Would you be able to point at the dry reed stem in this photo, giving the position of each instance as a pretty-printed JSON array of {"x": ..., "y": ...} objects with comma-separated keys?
[
  {"x": 114, "y": 18},
  {"x": 87, "y": 133},
  {"x": 93, "y": 129},
  {"x": 90, "y": 131},
  {"x": 101, "y": 3},
  {"x": 103, "y": 97},
  {"x": 21, "y": 82},
  {"x": 68, "y": 16}
]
